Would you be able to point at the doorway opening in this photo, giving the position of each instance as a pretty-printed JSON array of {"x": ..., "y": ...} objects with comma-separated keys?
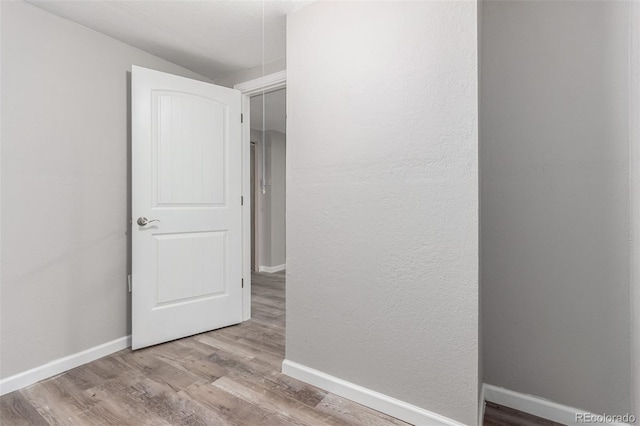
[
  {"x": 264, "y": 103},
  {"x": 268, "y": 148}
]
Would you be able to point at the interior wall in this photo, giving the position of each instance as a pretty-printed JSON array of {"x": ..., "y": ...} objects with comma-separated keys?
[
  {"x": 253, "y": 73},
  {"x": 382, "y": 199},
  {"x": 554, "y": 110},
  {"x": 65, "y": 186}
]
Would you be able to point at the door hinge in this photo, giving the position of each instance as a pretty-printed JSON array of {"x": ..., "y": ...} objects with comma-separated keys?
[
  {"x": 129, "y": 283},
  {"x": 243, "y": 283},
  {"x": 242, "y": 200},
  {"x": 242, "y": 118}
]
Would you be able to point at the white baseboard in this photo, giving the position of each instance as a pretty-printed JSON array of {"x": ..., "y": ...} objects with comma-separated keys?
[
  {"x": 272, "y": 269},
  {"x": 377, "y": 401},
  {"x": 60, "y": 365},
  {"x": 539, "y": 406}
]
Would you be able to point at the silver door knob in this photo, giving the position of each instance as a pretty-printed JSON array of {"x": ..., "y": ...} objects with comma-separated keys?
[{"x": 142, "y": 221}]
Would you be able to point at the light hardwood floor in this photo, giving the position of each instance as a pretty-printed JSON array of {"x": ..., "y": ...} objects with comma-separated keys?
[{"x": 224, "y": 377}]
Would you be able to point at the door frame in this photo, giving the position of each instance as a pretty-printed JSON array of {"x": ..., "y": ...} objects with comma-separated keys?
[{"x": 258, "y": 86}]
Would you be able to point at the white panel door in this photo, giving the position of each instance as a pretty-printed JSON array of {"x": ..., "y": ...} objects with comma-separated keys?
[{"x": 187, "y": 214}]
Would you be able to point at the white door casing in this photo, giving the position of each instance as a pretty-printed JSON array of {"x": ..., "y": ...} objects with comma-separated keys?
[
  {"x": 187, "y": 175},
  {"x": 261, "y": 85}
]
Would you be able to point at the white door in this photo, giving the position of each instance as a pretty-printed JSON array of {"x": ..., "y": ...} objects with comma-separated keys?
[{"x": 186, "y": 207}]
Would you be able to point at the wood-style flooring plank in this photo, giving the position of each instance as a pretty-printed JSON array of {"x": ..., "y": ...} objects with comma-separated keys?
[
  {"x": 16, "y": 410},
  {"x": 59, "y": 401},
  {"x": 120, "y": 397},
  {"x": 275, "y": 403},
  {"x": 231, "y": 409},
  {"x": 352, "y": 412}
]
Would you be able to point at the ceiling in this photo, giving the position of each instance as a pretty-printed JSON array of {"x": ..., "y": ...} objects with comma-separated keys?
[
  {"x": 215, "y": 38},
  {"x": 275, "y": 116}
]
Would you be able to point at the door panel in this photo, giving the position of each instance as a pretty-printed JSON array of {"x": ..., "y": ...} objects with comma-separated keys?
[
  {"x": 189, "y": 148},
  {"x": 186, "y": 257},
  {"x": 186, "y": 175}
]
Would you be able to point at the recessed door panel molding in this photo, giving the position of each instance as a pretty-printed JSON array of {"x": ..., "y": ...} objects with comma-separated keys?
[
  {"x": 187, "y": 258},
  {"x": 189, "y": 142},
  {"x": 187, "y": 229}
]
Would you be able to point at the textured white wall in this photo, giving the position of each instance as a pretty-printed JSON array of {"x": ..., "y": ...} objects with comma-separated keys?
[
  {"x": 253, "y": 73},
  {"x": 65, "y": 186},
  {"x": 554, "y": 152},
  {"x": 382, "y": 199}
]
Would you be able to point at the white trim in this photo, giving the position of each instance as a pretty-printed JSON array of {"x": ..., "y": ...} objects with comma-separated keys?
[
  {"x": 367, "y": 397},
  {"x": 537, "y": 406},
  {"x": 272, "y": 269},
  {"x": 634, "y": 200},
  {"x": 246, "y": 208},
  {"x": 60, "y": 365},
  {"x": 265, "y": 84}
]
